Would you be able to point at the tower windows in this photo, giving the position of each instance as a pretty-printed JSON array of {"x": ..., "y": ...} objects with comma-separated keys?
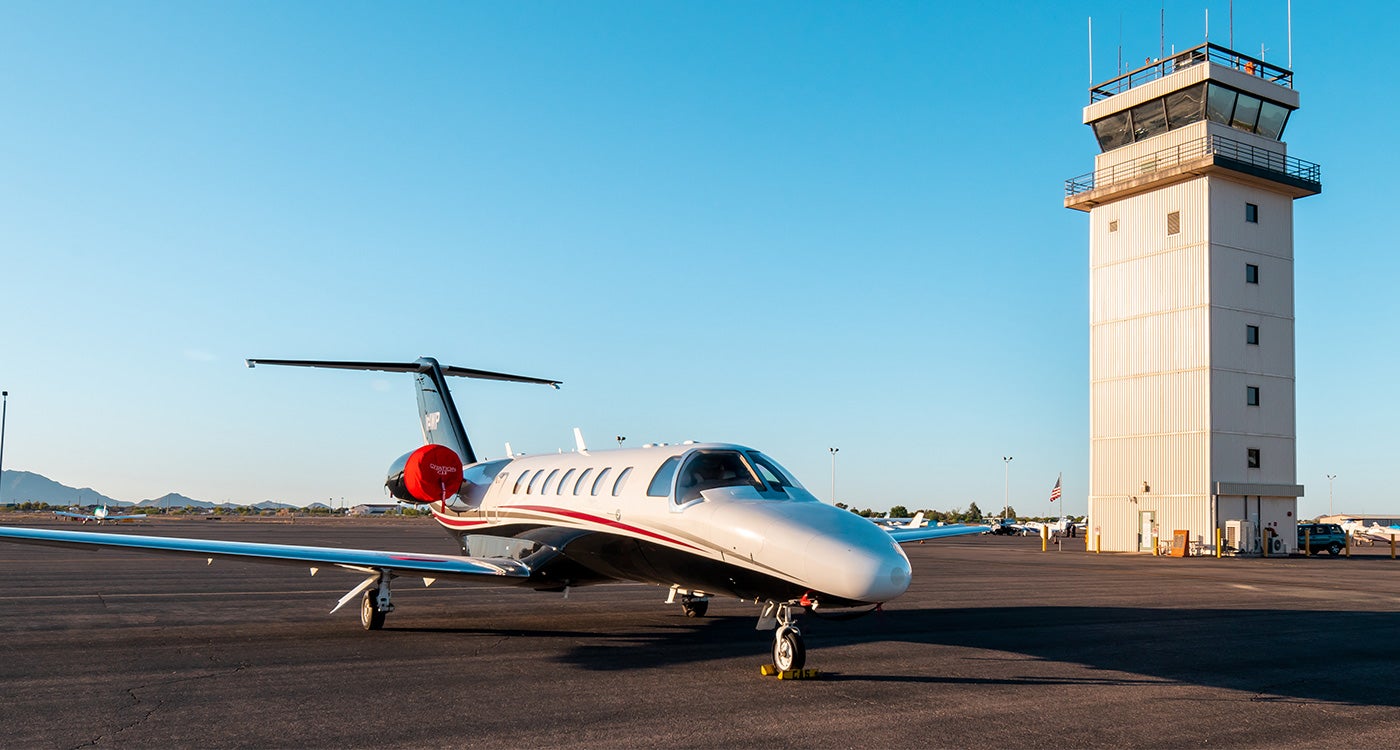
[
  {"x": 1174, "y": 222},
  {"x": 1251, "y": 273},
  {"x": 1251, "y": 335},
  {"x": 1253, "y": 458},
  {"x": 1251, "y": 395},
  {"x": 1251, "y": 213}
]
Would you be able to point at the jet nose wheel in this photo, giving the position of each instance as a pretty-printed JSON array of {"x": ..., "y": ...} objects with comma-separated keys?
[
  {"x": 370, "y": 615},
  {"x": 788, "y": 650}
]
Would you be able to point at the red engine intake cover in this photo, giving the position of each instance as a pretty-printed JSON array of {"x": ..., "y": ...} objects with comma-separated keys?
[{"x": 433, "y": 473}]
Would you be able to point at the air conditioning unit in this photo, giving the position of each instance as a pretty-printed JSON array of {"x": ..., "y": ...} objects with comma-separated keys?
[
  {"x": 1239, "y": 535},
  {"x": 1275, "y": 545}
]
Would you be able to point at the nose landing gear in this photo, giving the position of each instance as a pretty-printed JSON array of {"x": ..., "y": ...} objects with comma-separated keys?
[{"x": 789, "y": 652}]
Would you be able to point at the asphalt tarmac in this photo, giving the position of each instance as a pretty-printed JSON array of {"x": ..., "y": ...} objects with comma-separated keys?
[{"x": 996, "y": 644}]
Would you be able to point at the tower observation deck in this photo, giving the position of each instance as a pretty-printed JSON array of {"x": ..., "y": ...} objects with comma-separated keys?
[
  {"x": 1192, "y": 418},
  {"x": 1223, "y": 111}
]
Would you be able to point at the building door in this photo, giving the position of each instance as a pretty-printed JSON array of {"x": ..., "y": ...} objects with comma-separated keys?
[{"x": 1147, "y": 519}]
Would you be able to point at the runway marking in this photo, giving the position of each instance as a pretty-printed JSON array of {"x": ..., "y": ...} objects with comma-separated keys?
[{"x": 1245, "y": 586}]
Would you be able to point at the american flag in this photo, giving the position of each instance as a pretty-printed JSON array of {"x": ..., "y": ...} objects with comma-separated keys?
[{"x": 1055, "y": 493}]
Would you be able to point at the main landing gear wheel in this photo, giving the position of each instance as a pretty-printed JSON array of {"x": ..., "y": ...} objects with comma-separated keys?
[
  {"x": 370, "y": 616},
  {"x": 788, "y": 650},
  {"x": 696, "y": 608}
]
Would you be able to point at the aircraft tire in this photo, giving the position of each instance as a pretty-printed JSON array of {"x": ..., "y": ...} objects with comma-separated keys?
[
  {"x": 788, "y": 650},
  {"x": 696, "y": 608},
  {"x": 370, "y": 616}
]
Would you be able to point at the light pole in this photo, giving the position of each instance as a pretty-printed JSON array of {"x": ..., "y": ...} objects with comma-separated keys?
[
  {"x": 834, "y": 451},
  {"x": 1006, "y": 491},
  {"x": 1330, "y": 477},
  {"x": 4, "y": 412}
]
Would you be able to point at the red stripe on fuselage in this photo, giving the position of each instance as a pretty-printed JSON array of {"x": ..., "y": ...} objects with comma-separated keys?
[
  {"x": 599, "y": 520},
  {"x": 455, "y": 522}
]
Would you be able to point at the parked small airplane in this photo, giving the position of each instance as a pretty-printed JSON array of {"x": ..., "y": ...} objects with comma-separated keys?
[
  {"x": 702, "y": 519},
  {"x": 890, "y": 524},
  {"x": 1371, "y": 533},
  {"x": 99, "y": 514},
  {"x": 1059, "y": 527}
]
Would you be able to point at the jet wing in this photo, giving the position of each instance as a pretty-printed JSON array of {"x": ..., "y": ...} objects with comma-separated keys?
[
  {"x": 934, "y": 532},
  {"x": 409, "y": 563},
  {"x": 67, "y": 514}
]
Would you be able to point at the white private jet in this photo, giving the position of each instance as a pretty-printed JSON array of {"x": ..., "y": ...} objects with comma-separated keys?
[
  {"x": 702, "y": 519},
  {"x": 99, "y": 514}
]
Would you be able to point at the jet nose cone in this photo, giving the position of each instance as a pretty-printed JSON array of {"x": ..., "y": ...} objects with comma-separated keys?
[{"x": 862, "y": 565}]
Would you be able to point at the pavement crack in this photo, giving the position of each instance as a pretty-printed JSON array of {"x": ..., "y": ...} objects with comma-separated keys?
[{"x": 131, "y": 692}]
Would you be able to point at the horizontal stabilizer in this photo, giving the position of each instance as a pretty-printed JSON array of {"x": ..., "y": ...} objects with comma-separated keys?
[{"x": 419, "y": 366}]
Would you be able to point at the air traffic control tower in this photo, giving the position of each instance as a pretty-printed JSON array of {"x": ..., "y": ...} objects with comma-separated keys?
[{"x": 1191, "y": 368}]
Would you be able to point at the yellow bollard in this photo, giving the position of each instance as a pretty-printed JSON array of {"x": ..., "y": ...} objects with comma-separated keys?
[
  {"x": 1044, "y": 538},
  {"x": 1098, "y": 543},
  {"x": 1392, "y": 546},
  {"x": 1348, "y": 544},
  {"x": 1154, "y": 544},
  {"x": 1307, "y": 542},
  {"x": 1218, "y": 552}
]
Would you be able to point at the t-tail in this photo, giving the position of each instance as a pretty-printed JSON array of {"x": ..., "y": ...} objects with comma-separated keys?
[{"x": 437, "y": 414}]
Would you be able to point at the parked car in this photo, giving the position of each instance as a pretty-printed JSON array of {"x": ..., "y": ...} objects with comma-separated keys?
[{"x": 1322, "y": 536}]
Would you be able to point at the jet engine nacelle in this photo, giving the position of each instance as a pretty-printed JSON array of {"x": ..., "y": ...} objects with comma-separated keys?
[{"x": 430, "y": 474}]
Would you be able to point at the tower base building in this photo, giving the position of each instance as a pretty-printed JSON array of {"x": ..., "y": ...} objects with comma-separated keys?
[{"x": 1192, "y": 419}]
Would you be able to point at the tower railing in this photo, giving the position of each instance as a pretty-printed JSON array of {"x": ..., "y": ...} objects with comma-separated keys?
[
  {"x": 1229, "y": 152},
  {"x": 1194, "y": 56}
]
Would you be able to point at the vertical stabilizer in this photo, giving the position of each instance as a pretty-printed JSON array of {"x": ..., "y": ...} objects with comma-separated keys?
[{"x": 437, "y": 414}]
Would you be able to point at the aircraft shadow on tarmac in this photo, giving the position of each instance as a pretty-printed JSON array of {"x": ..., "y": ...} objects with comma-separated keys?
[{"x": 1278, "y": 655}]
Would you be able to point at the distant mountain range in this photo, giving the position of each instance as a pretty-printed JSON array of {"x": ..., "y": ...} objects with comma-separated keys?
[{"x": 22, "y": 486}]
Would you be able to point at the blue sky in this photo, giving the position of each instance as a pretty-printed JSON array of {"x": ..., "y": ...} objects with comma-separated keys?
[{"x": 790, "y": 225}]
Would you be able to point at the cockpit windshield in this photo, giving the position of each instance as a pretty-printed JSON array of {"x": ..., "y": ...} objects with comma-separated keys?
[
  {"x": 707, "y": 470},
  {"x": 776, "y": 476}
]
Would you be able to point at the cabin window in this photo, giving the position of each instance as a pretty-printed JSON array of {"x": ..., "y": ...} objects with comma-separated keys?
[
  {"x": 661, "y": 483},
  {"x": 535, "y": 482},
  {"x": 598, "y": 483},
  {"x": 707, "y": 470},
  {"x": 582, "y": 478},
  {"x": 549, "y": 482},
  {"x": 565, "y": 480},
  {"x": 520, "y": 483},
  {"x": 621, "y": 481}
]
